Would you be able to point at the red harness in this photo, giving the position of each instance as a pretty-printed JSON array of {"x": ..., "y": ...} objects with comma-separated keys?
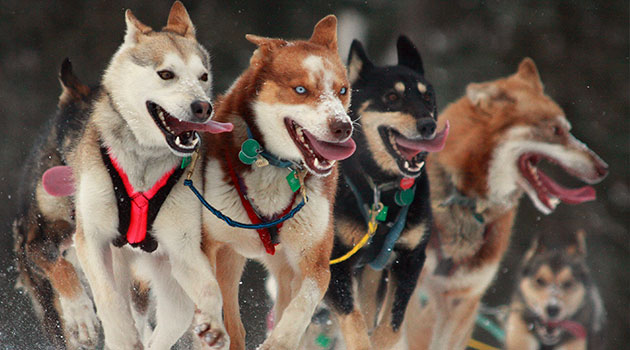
[
  {"x": 137, "y": 210},
  {"x": 263, "y": 233}
]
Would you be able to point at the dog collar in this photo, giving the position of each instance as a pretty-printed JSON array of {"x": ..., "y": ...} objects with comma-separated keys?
[
  {"x": 137, "y": 210},
  {"x": 252, "y": 152}
]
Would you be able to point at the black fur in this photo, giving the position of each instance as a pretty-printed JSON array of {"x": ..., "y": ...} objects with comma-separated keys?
[{"x": 374, "y": 84}]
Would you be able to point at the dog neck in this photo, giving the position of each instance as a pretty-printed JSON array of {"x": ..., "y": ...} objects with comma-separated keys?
[{"x": 143, "y": 165}]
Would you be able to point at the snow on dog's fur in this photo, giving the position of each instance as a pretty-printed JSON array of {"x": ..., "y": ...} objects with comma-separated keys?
[
  {"x": 501, "y": 129},
  {"x": 157, "y": 84},
  {"x": 293, "y": 98}
]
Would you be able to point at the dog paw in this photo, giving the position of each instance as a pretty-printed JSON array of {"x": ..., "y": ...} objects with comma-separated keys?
[
  {"x": 80, "y": 322},
  {"x": 212, "y": 338}
]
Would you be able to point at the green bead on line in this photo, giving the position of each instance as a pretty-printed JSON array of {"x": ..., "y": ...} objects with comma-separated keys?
[
  {"x": 245, "y": 159},
  {"x": 251, "y": 148}
]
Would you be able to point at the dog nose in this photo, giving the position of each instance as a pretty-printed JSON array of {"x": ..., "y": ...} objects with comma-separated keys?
[
  {"x": 426, "y": 127},
  {"x": 340, "y": 129},
  {"x": 201, "y": 110},
  {"x": 553, "y": 310}
]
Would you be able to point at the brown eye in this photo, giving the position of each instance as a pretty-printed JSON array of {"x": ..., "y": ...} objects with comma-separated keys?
[
  {"x": 427, "y": 98},
  {"x": 166, "y": 74},
  {"x": 392, "y": 97},
  {"x": 204, "y": 77},
  {"x": 558, "y": 131},
  {"x": 541, "y": 282},
  {"x": 567, "y": 285}
]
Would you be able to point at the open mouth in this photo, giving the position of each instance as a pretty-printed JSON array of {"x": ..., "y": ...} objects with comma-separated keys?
[
  {"x": 181, "y": 136},
  {"x": 410, "y": 153},
  {"x": 549, "y": 334},
  {"x": 319, "y": 156},
  {"x": 549, "y": 192}
]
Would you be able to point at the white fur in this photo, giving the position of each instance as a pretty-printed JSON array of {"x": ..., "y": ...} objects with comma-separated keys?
[{"x": 504, "y": 178}]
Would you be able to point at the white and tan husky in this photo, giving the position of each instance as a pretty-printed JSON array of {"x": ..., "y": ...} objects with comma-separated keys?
[{"x": 132, "y": 210}]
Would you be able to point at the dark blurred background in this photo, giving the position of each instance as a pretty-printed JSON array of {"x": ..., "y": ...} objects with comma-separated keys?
[{"x": 581, "y": 49}]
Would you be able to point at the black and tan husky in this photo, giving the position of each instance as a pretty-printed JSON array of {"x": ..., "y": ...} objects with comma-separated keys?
[
  {"x": 555, "y": 305},
  {"x": 396, "y": 110}
]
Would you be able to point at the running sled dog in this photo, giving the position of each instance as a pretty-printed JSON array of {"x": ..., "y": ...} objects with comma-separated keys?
[
  {"x": 290, "y": 127},
  {"x": 384, "y": 184},
  {"x": 132, "y": 213},
  {"x": 556, "y": 304},
  {"x": 503, "y": 130}
]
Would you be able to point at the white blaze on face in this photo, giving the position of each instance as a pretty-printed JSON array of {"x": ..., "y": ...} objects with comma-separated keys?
[
  {"x": 313, "y": 117},
  {"x": 131, "y": 85}
]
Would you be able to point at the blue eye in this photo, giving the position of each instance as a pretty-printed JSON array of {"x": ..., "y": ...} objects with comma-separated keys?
[
  {"x": 343, "y": 91},
  {"x": 300, "y": 90}
]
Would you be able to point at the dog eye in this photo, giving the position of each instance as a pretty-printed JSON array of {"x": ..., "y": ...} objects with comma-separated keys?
[
  {"x": 558, "y": 131},
  {"x": 300, "y": 90},
  {"x": 343, "y": 91},
  {"x": 541, "y": 282},
  {"x": 204, "y": 77},
  {"x": 391, "y": 97},
  {"x": 166, "y": 74},
  {"x": 567, "y": 285},
  {"x": 427, "y": 97}
]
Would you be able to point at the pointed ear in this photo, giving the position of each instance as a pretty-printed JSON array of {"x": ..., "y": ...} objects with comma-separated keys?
[
  {"x": 72, "y": 89},
  {"x": 261, "y": 41},
  {"x": 358, "y": 61},
  {"x": 325, "y": 32},
  {"x": 481, "y": 94},
  {"x": 408, "y": 55},
  {"x": 528, "y": 72},
  {"x": 535, "y": 248},
  {"x": 580, "y": 237},
  {"x": 179, "y": 22},
  {"x": 135, "y": 28}
]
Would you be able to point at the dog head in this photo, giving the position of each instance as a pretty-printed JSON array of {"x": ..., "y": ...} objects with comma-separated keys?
[
  {"x": 301, "y": 98},
  {"x": 504, "y": 128},
  {"x": 160, "y": 83},
  {"x": 554, "y": 282},
  {"x": 396, "y": 108}
]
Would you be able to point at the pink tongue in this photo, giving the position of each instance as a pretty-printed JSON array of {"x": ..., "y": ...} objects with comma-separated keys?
[
  {"x": 570, "y": 196},
  {"x": 213, "y": 127},
  {"x": 58, "y": 181},
  {"x": 331, "y": 150},
  {"x": 413, "y": 147}
]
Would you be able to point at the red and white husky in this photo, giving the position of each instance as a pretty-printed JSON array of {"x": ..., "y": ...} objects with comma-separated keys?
[{"x": 293, "y": 98}]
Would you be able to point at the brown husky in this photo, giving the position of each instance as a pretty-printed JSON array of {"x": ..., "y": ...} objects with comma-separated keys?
[
  {"x": 556, "y": 305},
  {"x": 500, "y": 131}
]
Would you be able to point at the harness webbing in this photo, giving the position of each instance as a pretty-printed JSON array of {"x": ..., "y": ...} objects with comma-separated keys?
[{"x": 137, "y": 210}]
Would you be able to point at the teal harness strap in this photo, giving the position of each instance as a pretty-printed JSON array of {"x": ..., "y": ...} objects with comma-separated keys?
[{"x": 380, "y": 261}]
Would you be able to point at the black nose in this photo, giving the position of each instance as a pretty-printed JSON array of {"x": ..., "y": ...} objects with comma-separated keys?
[
  {"x": 341, "y": 129},
  {"x": 553, "y": 310},
  {"x": 201, "y": 110},
  {"x": 426, "y": 127}
]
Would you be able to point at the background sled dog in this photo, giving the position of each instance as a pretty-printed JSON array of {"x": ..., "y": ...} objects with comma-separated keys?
[
  {"x": 555, "y": 305},
  {"x": 293, "y": 100},
  {"x": 154, "y": 98},
  {"x": 44, "y": 227},
  {"x": 396, "y": 109},
  {"x": 504, "y": 129}
]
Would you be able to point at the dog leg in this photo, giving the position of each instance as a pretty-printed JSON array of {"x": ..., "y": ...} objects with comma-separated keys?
[
  {"x": 112, "y": 304},
  {"x": 80, "y": 324},
  {"x": 229, "y": 268},
  {"x": 456, "y": 312},
  {"x": 517, "y": 336},
  {"x": 193, "y": 271},
  {"x": 308, "y": 285},
  {"x": 339, "y": 297},
  {"x": 419, "y": 320},
  {"x": 174, "y": 309},
  {"x": 403, "y": 278},
  {"x": 369, "y": 295}
]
